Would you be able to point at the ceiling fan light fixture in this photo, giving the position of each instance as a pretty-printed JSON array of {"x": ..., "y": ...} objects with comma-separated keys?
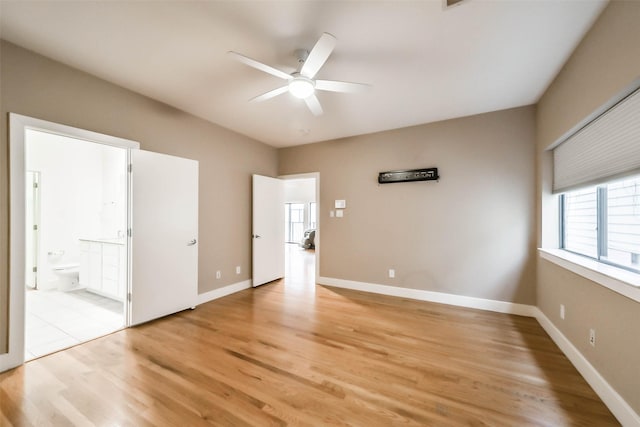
[
  {"x": 301, "y": 87},
  {"x": 302, "y": 83}
]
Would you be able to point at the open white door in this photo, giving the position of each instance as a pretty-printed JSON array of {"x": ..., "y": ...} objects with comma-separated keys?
[
  {"x": 164, "y": 235},
  {"x": 268, "y": 229}
]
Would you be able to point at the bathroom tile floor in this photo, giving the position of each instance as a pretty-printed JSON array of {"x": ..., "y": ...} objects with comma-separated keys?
[{"x": 56, "y": 320}]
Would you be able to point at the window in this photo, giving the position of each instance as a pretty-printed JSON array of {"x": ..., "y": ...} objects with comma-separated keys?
[
  {"x": 312, "y": 215},
  {"x": 581, "y": 222},
  {"x": 603, "y": 222},
  {"x": 294, "y": 222}
]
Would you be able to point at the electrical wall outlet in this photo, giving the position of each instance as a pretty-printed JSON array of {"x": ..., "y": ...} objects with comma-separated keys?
[
  {"x": 592, "y": 337},
  {"x": 218, "y": 274},
  {"x": 562, "y": 311},
  {"x": 392, "y": 273},
  {"x": 238, "y": 269}
]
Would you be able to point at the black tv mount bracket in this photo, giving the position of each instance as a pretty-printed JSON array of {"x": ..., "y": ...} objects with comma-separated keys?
[{"x": 427, "y": 174}]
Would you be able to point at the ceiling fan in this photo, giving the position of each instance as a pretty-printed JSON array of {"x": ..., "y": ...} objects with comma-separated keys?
[{"x": 302, "y": 83}]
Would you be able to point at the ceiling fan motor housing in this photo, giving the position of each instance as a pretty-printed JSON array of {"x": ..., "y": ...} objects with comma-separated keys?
[{"x": 302, "y": 55}]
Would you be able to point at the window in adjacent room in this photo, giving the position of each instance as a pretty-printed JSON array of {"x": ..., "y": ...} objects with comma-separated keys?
[
  {"x": 294, "y": 222},
  {"x": 312, "y": 215},
  {"x": 603, "y": 222}
]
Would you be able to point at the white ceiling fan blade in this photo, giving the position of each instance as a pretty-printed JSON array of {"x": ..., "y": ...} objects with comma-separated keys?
[
  {"x": 318, "y": 55},
  {"x": 259, "y": 65},
  {"x": 337, "y": 86},
  {"x": 314, "y": 105},
  {"x": 270, "y": 94}
]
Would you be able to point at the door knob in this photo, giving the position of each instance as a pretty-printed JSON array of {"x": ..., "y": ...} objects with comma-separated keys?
[{"x": 192, "y": 242}]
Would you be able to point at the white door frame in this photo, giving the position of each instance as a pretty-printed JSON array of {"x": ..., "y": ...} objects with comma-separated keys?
[
  {"x": 18, "y": 124},
  {"x": 316, "y": 176},
  {"x": 35, "y": 229}
]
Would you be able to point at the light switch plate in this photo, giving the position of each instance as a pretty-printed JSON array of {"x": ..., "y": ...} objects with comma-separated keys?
[
  {"x": 339, "y": 213},
  {"x": 341, "y": 204}
]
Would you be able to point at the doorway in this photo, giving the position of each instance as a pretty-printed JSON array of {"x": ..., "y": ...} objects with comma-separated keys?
[
  {"x": 272, "y": 258},
  {"x": 75, "y": 245},
  {"x": 301, "y": 230},
  {"x": 161, "y": 275}
]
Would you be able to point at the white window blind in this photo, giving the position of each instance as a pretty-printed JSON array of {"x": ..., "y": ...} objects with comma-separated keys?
[{"x": 607, "y": 147}]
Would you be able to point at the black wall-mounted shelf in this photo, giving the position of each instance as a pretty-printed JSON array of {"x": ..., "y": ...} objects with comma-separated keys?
[{"x": 390, "y": 177}]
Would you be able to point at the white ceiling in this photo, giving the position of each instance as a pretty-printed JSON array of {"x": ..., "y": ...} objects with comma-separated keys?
[{"x": 425, "y": 63}]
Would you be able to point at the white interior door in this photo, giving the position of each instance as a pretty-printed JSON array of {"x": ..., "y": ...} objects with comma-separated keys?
[
  {"x": 268, "y": 229},
  {"x": 164, "y": 226}
]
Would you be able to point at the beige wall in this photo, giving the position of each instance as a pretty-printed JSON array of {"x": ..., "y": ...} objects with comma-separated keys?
[
  {"x": 35, "y": 86},
  {"x": 606, "y": 61},
  {"x": 470, "y": 234}
]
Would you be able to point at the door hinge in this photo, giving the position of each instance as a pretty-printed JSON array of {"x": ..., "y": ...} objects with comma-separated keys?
[
  {"x": 35, "y": 185},
  {"x": 130, "y": 168},
  {"x": 35, "y": 227},
  {"x": 129, "y": 297},
  {"x": 35, "y": 269},
  {"x": 129, "y": 233}
]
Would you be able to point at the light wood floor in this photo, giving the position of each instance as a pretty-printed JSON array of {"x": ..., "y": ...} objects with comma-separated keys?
[{"x": 291, "y": 353}]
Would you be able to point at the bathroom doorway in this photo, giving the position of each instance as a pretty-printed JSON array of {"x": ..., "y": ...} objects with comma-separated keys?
[{"x": 75, "y": 246}]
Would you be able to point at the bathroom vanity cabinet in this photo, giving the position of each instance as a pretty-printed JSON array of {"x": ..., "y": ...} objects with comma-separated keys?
[{"x": 103, "y": 267}]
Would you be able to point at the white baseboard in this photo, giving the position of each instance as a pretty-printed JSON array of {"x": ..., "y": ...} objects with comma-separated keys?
[
  {"x": 223, "y": 292},
  {"x": 616, "y": 404},
  {"x": 439, "y": 297}
]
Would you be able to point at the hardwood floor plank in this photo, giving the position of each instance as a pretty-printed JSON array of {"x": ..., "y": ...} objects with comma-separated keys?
[{"x": 293, "y": 353}]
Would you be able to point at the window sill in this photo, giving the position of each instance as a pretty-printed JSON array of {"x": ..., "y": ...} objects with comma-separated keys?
[{"x": 618, "y": 280}]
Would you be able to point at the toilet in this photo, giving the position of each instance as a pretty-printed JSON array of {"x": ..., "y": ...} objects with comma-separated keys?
[{"x": 68, "y": 275}]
